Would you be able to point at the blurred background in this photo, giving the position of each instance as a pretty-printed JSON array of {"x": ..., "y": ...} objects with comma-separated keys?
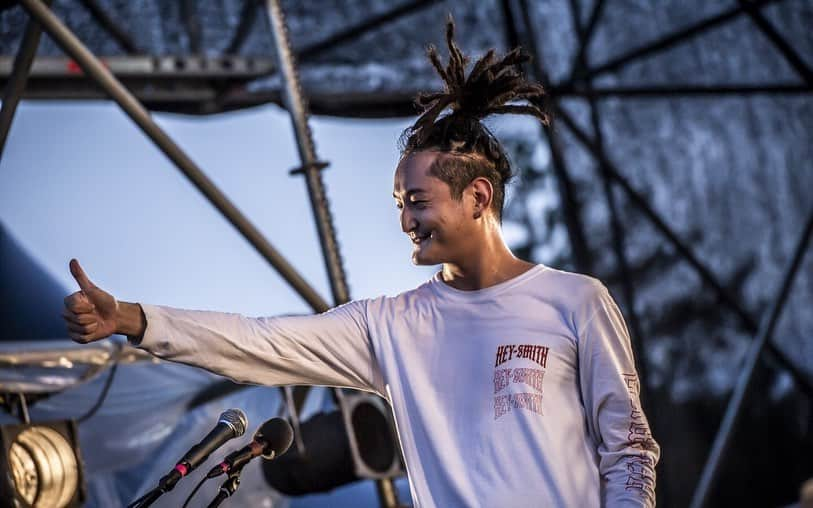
[{"x": 678, "y": 170}]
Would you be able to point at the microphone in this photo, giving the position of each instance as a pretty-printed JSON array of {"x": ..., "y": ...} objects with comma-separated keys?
[
  {"x": 232, "y": 423},
  {"x": 271, "y": 440}
]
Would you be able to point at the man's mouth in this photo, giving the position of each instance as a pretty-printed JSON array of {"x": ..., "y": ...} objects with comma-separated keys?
[{"x": 419, "y": 238}]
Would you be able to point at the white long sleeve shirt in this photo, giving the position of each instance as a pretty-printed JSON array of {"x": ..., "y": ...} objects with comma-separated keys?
[{"x": 521, "y": 394}]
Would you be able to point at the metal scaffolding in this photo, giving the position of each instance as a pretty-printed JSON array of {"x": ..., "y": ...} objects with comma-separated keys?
[{"x": 202, "y": 84}]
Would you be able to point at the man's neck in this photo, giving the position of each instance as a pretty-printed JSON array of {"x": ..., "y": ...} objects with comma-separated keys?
[{"x": 485, "y": 270}]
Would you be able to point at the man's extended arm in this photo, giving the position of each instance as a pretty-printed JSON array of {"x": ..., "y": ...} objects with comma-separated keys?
[{"x": 331, "y": 349}]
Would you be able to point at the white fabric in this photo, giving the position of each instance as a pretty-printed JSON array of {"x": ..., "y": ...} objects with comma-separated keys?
[{"x": 521, "y": 394}]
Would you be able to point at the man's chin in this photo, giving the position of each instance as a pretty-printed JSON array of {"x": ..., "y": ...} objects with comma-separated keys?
[{"x": 422, "y": 259}]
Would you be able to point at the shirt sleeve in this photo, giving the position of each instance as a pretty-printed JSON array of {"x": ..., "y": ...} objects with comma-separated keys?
[
  {"x": 328, "y": 349},
  {"x": 610, "y": 391}
]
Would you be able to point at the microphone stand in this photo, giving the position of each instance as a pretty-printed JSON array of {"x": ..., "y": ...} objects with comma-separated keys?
[
  {"x": 228, "y": 488},
  {"x": 166, "y": 484}
]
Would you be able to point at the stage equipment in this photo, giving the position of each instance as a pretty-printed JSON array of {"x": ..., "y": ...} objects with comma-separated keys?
[
  {"x": 232, "y": 423},
  {"x": 353, "y": 443},
  {"x": 271, "y": 440},
  {"x": 41, "y": 466}
]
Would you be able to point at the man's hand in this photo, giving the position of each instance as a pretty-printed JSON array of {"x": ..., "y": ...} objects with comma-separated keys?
[{"x": 90, "y": 313}]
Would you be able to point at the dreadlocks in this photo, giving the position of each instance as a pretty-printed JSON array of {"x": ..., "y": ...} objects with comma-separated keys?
[{"x": 491, "y": 85}]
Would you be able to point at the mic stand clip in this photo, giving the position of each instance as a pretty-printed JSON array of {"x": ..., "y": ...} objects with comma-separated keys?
[{"x": 228, "y": 487}]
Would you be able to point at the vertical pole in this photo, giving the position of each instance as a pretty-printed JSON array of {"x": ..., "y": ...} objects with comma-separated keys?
[
  {"x": 311, "y": 167},
  {"x": 19, "y": 77}
]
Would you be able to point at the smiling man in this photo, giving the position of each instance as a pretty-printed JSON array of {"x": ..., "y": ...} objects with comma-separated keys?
[{"x": 512, "y": 384}]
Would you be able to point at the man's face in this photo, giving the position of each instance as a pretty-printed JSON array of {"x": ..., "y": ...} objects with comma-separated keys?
[{"x": 438, "y": 225}]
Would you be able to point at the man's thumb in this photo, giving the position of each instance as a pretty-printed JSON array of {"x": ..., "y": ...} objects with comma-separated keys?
[{"x": 80, "y": 276}]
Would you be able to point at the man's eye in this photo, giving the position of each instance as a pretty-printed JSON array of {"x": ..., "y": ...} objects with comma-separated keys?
[{"x": 420, "y": 203}]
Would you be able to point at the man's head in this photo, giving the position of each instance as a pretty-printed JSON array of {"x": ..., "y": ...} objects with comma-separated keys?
[
  {"x": 455, "y": 156},
  {"x": 446, "y": 222}
]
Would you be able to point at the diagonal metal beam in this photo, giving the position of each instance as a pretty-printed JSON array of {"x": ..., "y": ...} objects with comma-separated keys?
[
  {"x": 781, "y": 44},
  {"x": 709, "y": 278},
  {"x": 745, "y": 381},
  {"x": 667, "y": 41},
  {"x": 105, "y": 21},
  {"x": 105, "y": 79},
  {"x": 360, "y": 29},
  {"x": 19, "y": 77}
]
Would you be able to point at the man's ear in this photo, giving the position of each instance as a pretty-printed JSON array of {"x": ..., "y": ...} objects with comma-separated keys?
[{"x": 482, "y": 192}]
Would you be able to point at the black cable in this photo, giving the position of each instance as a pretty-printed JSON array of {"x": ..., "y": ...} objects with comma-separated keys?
[
  {"x": 106, "y": 388},
  {"x": 194, "y": 491},
  {"x": 103, "y": 394}
]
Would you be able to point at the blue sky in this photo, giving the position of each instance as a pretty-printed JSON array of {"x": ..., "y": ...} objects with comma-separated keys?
[{"x": 80, "y": 180}]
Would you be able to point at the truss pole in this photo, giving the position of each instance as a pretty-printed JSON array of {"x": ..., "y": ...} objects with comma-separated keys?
[
  {"x": 746, "y": 377},
  {"x": 19, "y": 77},
  {"x": 705, "y": 274},
  {"x": 295, "y": 103},
  {"x": 99, "y": 73}
]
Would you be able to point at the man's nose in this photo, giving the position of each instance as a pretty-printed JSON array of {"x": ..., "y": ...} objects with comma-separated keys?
[{"x": 408, "y": 222}]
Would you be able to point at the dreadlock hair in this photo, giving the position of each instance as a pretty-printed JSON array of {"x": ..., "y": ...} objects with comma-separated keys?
[{"x": 491, "y": 85}]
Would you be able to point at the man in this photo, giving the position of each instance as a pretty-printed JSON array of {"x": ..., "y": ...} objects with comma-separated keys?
[{"x": 512, "y": 384}]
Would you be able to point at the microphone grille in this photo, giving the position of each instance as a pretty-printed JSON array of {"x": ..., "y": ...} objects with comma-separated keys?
[
  {"x": 236, "y": 419},
  {"x": 276, "y": 436}
]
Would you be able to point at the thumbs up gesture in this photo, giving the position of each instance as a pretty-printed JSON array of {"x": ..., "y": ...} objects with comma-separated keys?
[{"x": 91, "y": 313}]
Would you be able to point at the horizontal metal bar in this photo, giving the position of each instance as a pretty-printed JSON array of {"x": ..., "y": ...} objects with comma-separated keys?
[{"x": 152, "y": 67}]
